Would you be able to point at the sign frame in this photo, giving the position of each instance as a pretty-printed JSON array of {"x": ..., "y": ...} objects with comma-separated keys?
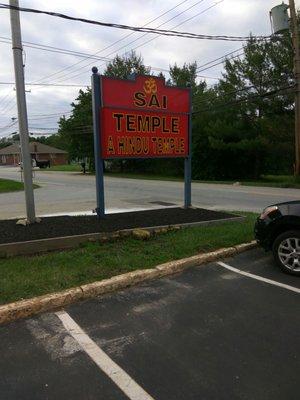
[{"x": 97, "y": 103}]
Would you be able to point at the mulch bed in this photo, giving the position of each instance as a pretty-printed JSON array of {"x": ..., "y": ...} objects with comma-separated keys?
[{"x": 76, "y": 225}]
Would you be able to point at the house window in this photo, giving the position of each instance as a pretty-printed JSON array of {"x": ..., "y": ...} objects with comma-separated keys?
[{"x": 3, "y": 159}]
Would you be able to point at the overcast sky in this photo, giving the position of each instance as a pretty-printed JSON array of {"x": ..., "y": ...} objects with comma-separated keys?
[{"x": 227, "y": 17}]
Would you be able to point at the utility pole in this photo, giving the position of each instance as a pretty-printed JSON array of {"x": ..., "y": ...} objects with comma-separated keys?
[
  {"x": 22, "y": 109},
  {"x": 295, "y": 37}
]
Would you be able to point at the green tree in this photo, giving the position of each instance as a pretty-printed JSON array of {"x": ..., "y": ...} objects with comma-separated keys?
[
  {"x": 243, "y": 139},
  {"x": 77, "y": 130},
  {"x": 75, "y": 133},
  {"x": 123, "y": 67}
]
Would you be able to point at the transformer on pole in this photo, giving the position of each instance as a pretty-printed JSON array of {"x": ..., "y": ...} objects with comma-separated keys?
[{"x": 279, "y": 18}]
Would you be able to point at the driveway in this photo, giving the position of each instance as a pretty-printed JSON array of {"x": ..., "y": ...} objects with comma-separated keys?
[
  {"x": 63, "y": 192},
  {"x": 208, "y": 333}
]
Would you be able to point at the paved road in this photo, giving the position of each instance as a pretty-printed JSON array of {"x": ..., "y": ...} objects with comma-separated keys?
[
  {"x": 70, "y": 192},
  {"x": 208, "y": 333}
]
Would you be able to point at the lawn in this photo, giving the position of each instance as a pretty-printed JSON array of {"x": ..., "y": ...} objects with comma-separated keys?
[
  {"x": 64, "y": 168},
  {"x": 281, "y": 181},
  {"x": 25, "y": 277},
  {"x": 7, "y": 185}
]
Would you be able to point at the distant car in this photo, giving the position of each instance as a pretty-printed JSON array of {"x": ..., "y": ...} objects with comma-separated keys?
[
  {"x": 43, "y": 163},
  {"x": 278, "y": 229}
]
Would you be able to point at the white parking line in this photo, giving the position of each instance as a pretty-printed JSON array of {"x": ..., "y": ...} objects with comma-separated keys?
[
  {"x": 259, "y": 278},
  {"x": 132, "y": 390}
]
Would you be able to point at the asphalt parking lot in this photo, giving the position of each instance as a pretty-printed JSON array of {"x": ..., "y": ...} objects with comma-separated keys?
[{"x": 208, "y": 333}]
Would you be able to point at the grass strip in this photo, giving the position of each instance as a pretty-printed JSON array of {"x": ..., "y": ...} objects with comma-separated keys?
[
  {"x": 64, "y": 168},
  {"x": 280, "y": 181},
  {"x": 25, "y": 277},
  {"x": 7, "y": 185}
]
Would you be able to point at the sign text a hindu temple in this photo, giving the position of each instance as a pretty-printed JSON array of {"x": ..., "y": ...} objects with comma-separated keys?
[{"x": 143, "y": 118}]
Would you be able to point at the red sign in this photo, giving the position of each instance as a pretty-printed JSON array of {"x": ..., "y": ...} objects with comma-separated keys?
[{"x": 143, "y": 118}]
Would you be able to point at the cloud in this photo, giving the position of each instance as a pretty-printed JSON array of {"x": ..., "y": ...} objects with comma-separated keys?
[{"x": 230, "y": 17}]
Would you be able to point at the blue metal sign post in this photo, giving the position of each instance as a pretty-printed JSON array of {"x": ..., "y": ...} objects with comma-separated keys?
[
  {"x": 188, "y": 163},
  {"x": 96, "y": 100},
  {"x": 106, "y": 95}
]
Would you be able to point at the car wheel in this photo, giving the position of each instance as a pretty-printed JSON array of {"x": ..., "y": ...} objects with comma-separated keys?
[{"x": 286, "y": 251}]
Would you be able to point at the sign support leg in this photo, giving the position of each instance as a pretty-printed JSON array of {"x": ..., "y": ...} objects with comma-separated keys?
[
  {"x": 96, "y": 99},
  {"x": 188, "y": 164},
  {"x": 187, "y": 182}
]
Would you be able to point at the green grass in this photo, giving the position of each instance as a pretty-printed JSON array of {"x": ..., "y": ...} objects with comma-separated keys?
[
  {"x": 10, "y": 186},
  {"x": 284, "y": 181},
  {"x": 65, "y": 168},
  {"x": 281, "y": 181},
  {"x": 25, "y": 277},
  {"x": 153, "y": 177},
  {"x": 7, "y": 185}
]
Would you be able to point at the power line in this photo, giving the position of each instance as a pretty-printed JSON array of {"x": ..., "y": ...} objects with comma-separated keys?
[
  {"x": 221, "y": 62},
  {"x": 142, "y": 44},
  {"x": 223, "y": 59},
  {"x": 52, "y": 49},
  {"x": 6, "y": 109},
  {"x": 47, "y": 84},
  {"x": 163, "y": 32},
  {"x": 8, "y": 126},
  {"x": 220, "y": 58},
  {"x": 153, "y": 68},
  {"x": 181, "y": 23},
  {"x": 234, "y": 92},
  {"x": 67, "y": 51},
  {"x": 4, "y": 97},
  {"x": 45, "y": 115},
  {"x": 122, "y": 47},
  {"x": 112, "y": 44},
  {"x": 42, "y": 128},
  {"x": 248, "y": 98}
]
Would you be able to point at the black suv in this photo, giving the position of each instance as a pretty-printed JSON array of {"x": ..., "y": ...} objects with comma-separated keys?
[{"x": 278, "y": 229}]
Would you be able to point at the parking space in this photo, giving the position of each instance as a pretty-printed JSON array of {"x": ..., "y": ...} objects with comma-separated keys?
[
  {"x": 261, "y": 263},
  {"x": 208, "y": 333}
]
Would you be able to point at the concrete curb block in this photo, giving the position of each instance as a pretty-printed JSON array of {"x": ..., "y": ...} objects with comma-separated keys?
[
  {"x": 69, "y": 242},
  {"x": 26, "y": 308}
]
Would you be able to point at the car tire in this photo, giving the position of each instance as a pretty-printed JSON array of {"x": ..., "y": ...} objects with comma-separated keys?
[{"x": 286, "y": 251}]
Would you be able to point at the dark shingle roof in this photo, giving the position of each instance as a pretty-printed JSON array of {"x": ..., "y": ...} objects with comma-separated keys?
[{"x": 39, "y": 149}]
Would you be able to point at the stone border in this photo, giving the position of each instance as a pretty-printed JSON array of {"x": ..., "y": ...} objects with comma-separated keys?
[
  {"x": 69, "y": 242},
  {"x": 49, "y": 302}
]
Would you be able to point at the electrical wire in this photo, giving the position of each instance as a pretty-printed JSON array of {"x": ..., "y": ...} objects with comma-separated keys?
[
  {"x": 54, "y": 49},
  {"x": 8, "y": 126},
  {"x": 6, "y": 109},
  {"x": 163, "y": 32},
  {"x": 122, "y": 47},
  {"x": 142, "y": 44},
  {"x": 222, "y": 58},
  {"x": 112, "y": 44},
  {"x": 47, "y": 84},
  {"x": 234, "y": 92},
  {"x": 219, "y": 58},
  {"x": 221, "y": 62},
  {"x": 41, "y": 47},
  {"x": 248, "y": 98},
  {"x": 2, "y": 100},
  {"x": 181, "y": 23}
]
